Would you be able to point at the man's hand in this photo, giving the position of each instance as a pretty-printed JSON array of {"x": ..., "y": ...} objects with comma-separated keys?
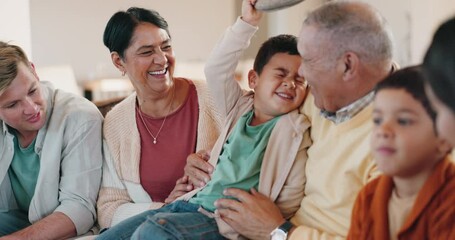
[
  {"x": 249, "y": 13},
  {"x": 182, "y": 186},
  {"x": 254, "y": 215},
  {"x": 198, "y": 169}
]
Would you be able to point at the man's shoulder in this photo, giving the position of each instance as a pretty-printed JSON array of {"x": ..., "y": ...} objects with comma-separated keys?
[
  {"x": 74, "y": 106},
  {"x": 308, "y": 107}
]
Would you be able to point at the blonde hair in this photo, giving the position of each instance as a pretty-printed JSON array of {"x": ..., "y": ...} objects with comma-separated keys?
[{"x": 10, "y": 57}]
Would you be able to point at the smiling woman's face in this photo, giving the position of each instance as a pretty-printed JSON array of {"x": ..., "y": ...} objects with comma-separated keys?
[{"x": 149, "y": 61}]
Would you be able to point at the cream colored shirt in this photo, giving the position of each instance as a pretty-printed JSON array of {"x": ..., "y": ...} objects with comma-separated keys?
[
  {"x": 399, "y": 209},
  {"x": 339, "y": 165}
]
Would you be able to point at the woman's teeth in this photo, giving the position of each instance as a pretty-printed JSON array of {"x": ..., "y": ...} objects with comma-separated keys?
[{"x": 158, "y": 72}]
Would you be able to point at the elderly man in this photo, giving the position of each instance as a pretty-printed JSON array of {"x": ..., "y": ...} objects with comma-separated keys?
[
  {"x": 50, "y": 155},
  {"x": 346, "y": 49}
]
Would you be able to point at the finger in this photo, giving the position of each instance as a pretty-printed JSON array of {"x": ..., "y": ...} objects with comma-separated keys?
[
  {"x": 183, "y": 187},
  {"x": 225, "y": 213},
  {"x": 178, "y": 193},
  {"x": 182, "y": 180},
  {"x": 232, "y": 218},
  {"x": 169, "y": 200},
  {"x": 257, "y": 194},
  {"x": 231, "y": 222},
  {"x": 198, "y": 177},
  {"x": 231, "y": 204},
  {"x": 204, "y": 154},
  {"x": 204, "y": 164},
  {"x": 198, "y": 161},
  {"x": 239, "y": 194}
]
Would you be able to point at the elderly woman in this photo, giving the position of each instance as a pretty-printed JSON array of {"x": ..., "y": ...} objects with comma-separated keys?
[
  {"x": 440, "y": 65},
  {"x": 149, "y": 134}
]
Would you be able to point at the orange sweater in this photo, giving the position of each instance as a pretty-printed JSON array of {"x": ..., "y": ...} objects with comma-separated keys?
[{"x": 432, "y": 216}]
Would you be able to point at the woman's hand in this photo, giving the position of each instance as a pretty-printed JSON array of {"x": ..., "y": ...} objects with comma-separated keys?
[
  {"x": 198, "y": 169},
  {"x": 182, "y": 186}
]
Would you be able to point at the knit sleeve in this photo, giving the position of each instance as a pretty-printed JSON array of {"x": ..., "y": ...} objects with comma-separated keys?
[
  {"x": 210, "y": 120},
  {"x": 121, "y": 195}
]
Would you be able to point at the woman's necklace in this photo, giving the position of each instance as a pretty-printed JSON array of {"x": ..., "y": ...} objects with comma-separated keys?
[{"x": 162, "y": 124}]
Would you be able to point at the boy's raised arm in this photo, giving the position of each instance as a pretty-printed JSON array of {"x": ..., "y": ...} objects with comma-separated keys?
[{"x": 223, "y": 60}]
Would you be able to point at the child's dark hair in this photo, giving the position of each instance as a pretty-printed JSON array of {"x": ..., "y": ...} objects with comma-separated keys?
[
  {"x": 412, "y": 80},
  {"x": 283, "y": 43}
]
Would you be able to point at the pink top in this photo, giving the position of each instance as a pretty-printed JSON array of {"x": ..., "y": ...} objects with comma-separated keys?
[{"x": 162, "y": 163}]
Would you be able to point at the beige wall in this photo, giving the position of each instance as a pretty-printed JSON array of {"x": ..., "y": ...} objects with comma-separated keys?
[
  {"x": 413, "y": 23},
  {"x": 70, "y": 32},
  {"x": 15, "y": 23}
]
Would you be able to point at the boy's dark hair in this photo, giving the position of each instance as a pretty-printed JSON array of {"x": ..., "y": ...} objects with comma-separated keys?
[
  {"x": 412, "y": 80},
  {"x": 439, "y": 63},
  {"x": 120, "y": 27},
  {"x": 283, "y": 43}
]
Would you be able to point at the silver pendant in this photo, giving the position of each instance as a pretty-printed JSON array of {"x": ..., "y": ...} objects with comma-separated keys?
[{"x": 154, "y": 141}]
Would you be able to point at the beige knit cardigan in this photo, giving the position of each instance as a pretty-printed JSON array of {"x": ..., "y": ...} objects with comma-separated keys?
[{"x": 121, "y": 195}]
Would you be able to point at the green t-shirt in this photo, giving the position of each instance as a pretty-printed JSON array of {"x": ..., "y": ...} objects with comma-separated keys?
[
  {"x": 239, "y": 163},
  {"x": 23, "y": 173}
]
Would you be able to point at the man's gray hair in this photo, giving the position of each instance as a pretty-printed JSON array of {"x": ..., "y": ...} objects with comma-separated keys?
[{"x": 353, "y": 26}]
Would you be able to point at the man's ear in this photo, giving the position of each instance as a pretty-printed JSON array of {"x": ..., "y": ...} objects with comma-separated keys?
[
  {"x": 32, "y": 68},
  {"x": 117, "y": 61},
  {"x": 350, "y": 65},
  {"x": 252, "y": 79}
]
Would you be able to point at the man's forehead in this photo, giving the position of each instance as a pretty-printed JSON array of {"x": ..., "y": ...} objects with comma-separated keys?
[{"x": 311, "y": 40}]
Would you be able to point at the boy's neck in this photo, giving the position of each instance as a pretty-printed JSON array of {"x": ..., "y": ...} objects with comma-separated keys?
[
  {"x": 259, "y": 118},
  {"x": 411, "y": 185}
]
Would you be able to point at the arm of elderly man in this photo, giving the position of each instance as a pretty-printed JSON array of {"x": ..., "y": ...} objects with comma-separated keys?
[{"x": 333, "y": 181}]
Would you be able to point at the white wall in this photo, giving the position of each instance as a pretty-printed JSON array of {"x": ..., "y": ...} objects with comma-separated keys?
[
  {"x": 413, "y": 23},
  {"x": 427, "y": 16},
  {"x": 70, "y": 32},
  {"x": 15, "y": 24},
  {"x": 290, "y": 20}
]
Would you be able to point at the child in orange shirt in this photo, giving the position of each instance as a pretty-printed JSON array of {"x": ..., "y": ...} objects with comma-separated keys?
[{"x": 415, "y": 196}]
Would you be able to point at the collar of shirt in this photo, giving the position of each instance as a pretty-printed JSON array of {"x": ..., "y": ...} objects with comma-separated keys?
[
  {"x": 4, "y": 127},
  {"x": 349, "y": 111}
]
